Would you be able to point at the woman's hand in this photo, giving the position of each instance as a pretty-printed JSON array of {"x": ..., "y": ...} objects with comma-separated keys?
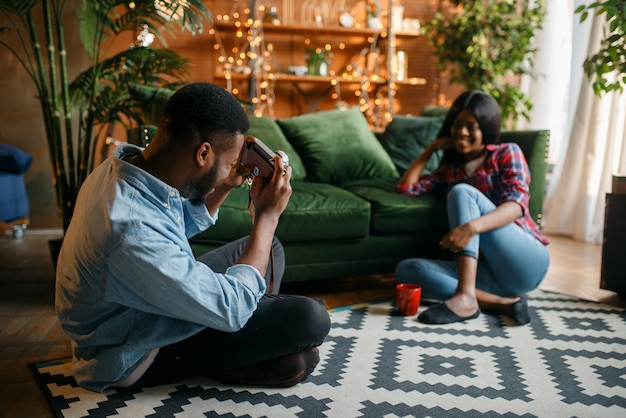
[
  {"x": 458, "y": 238},
  {"x": 442, "y": 143},
  {"x": 414, "y": 172}
]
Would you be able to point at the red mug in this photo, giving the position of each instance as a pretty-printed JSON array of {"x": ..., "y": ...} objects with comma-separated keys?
[{"x": 408, "y": 298}]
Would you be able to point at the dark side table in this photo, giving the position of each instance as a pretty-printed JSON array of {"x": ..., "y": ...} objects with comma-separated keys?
[{"x": 613, "y": 270}]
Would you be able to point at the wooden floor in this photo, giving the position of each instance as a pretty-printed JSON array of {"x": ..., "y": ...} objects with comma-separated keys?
[{"x": 29, "y": 330}]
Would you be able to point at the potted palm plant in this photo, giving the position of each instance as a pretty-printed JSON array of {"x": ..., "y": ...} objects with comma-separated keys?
[
  {"x": 75, "y": 113},
  {"x": 485, "y": 45}
]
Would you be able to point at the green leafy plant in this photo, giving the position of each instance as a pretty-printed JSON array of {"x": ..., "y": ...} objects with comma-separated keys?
[
  {"x": 485, "y": 45},
  {"x": 75, "y": 113},
  {"x": 607, "y": 68}
]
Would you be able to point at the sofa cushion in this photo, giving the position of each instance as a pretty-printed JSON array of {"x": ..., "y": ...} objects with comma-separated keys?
[
  {"x": 268, "y": 131},
  {"x": 406, "y": 137},
  {"x": 323, "y": 212},
  {"x": 337, "y": 146},
  {"x": 316, "y": 212},
  {"x": 393, "y": 213}
]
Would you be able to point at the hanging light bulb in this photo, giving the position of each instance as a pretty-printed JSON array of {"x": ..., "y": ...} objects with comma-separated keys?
[{"x": 145, "y": 37}]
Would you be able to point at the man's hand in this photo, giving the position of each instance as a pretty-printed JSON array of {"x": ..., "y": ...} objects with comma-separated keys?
[
  {"x": 238, "y": 174},
  {"x": 271, "y": 198}
]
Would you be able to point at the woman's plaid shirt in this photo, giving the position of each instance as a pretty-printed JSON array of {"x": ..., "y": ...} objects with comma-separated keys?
[{"x": 502, "y": 177}]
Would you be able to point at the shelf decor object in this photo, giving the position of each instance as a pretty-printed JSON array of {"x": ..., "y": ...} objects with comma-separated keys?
[
  {"x": 318, "y": 61},
  {"x": 373, "y": 14}
]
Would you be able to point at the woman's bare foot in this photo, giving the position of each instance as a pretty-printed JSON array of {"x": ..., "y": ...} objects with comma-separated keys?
[{"x": 462, "y": 304}]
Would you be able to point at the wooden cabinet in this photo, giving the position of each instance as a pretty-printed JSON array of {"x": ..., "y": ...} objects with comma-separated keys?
[
  {"x": 259, "y": 61},
  {"x": 613, "y": 269}
]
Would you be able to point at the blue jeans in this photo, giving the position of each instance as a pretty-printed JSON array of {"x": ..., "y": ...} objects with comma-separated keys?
[{"x": 511, "y": 261}]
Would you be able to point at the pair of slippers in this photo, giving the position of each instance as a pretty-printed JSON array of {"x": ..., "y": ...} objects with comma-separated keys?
[{"x": 441, "y": 314}]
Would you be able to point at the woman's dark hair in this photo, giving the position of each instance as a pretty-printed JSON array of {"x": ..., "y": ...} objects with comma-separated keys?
[
  {"x": 203, "y": 112},
  {"x": 486, "y": 111}
]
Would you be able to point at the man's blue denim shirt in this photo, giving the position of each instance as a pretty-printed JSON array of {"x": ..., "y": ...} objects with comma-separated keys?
[{"x": 127, "y": 281}]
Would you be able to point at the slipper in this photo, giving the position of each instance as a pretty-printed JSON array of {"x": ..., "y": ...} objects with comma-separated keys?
[
  {"x": 519, "y": 311},
  {"x": 441, "y": 314}
]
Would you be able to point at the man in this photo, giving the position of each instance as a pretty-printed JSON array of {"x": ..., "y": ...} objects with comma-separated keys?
[{"x": 137, "y": 305}]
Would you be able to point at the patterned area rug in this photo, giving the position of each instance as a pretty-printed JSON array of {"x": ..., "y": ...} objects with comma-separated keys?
[{"x": 570, "y": 361}]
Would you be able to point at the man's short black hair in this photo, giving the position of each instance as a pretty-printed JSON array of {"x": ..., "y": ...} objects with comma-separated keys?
[{"x": 201, "y": 112}]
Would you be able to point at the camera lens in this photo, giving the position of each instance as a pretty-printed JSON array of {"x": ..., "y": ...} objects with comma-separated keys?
[{"x": 283, "y": 155}]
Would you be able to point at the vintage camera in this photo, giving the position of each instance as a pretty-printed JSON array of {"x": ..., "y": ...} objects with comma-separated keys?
[{"x": 257, "y": 157}]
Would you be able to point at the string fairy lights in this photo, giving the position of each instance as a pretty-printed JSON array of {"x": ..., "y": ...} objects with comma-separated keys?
[{"x": 247, "y": 57}]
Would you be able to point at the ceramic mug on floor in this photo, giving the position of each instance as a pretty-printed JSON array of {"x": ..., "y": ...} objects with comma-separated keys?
[{"x": 408, "y": 298}]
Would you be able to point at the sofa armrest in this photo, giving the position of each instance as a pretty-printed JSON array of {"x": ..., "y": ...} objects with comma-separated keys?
[
  {"x": 141, "y": 135},
  {"x": 534, "y": 145}
]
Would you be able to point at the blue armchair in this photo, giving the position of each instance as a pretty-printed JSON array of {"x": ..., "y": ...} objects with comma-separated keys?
[{"x": 14, "y": 205}]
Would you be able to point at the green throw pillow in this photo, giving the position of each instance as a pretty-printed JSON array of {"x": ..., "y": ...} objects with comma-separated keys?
[
  {"x": 337, "y": 146},
  {"x": 151, "y": 101},
  {"x": 268, "y": 131},
  {"x": 406, "y": 137}
]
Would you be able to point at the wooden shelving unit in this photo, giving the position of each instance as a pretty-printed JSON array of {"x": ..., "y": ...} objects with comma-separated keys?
[
  {"x": 374, "y": 90},
  {"x": 318, "y": 31}
]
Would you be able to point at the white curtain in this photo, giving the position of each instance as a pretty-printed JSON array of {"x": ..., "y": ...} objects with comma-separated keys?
[{"x": 588, "y": 132}]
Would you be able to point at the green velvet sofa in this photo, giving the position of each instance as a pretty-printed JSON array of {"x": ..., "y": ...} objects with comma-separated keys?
[{"x": 343, "y": 218}]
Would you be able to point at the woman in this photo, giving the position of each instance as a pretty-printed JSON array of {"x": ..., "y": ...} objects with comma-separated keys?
[{"x": 500, "y": 254}]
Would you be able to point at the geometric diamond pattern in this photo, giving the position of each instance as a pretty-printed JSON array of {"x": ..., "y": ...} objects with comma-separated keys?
[{"x": 569, "y": 361}]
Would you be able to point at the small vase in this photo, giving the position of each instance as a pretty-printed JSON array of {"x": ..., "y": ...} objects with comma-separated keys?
[
  {"x": 374, "y": 22},
  {"x": 317, "y": 67},
  {"x": 317, "y": 61}
]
